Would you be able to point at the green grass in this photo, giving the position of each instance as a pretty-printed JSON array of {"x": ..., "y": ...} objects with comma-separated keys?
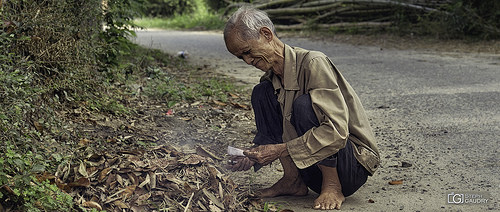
[{"x": 202, "y": 18}]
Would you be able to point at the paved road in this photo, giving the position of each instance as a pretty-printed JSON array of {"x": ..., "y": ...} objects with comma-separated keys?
[{"x": 437, "y": 111}]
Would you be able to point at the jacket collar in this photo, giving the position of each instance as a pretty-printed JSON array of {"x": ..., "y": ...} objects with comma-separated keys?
[{"x": 289, "y": 72}]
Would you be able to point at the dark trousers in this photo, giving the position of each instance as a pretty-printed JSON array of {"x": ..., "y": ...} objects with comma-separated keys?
[{"x": 269, "y": 122}]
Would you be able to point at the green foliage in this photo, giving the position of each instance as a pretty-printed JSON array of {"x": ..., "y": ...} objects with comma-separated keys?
[
  {"x": 216, "y": 5},
  {"x": 168, "y": 8},
  {"x": 34, "y": 195},
  {"x": 459, "y": 19},
  {"x": 479, "y": 18},
  {"x": 118, "y": 16},
  {"x": 46, "y": 197},
  {"x": 199, "y": 17}
]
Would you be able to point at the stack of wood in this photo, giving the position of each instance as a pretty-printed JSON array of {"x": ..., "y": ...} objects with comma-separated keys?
[{"x": 328, "y": 14}]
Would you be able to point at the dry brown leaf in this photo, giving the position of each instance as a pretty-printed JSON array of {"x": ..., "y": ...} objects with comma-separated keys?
[
  {"x": 143, "y": 199},
  {"x": 38, "y": 126},
  {"x": 129, "y": 190},
  {"x": 202, "y": 206},
  {"x": 82, "y": 182},
  {"x": 84, "y": 142},
  {"x": 120, "y": 204},
  {"x": 153, "y": 180},
  {"x": 61, "y": 185},
  {"x": 214, "y": 208},
  {"x": 119, "y": 179},
  {"x": 396, "y": 182},
  {"x": 221, "y": 191},
  {"x": 112, "y": 140},
  {"x": 104, "y": 173},
  {"x": 92, "y": 204},
  {"x": 233, "y": 95},
  {"x": 212, "y": 198},
  {"x": 98, "y": 163},
  {"x": 111, "y": 181},
  {"x": 174, "y": 179},
  {"x": 93, "y": 171},
  {"x": 83, "y": 170},
  {"x": 185, "y": 118},
  {"x": 133, "y": 178},
  {"x": 8, "y": 189},
  {"x": 219, "y": 103},
  {"x": 242, "y": 106},
  {"x": 45, "y": 176},
  {"x": 192, "y": 159},
  {"x": 196, "y": 103}
]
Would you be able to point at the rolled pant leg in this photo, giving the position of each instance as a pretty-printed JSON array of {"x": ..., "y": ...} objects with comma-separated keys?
[{"x": 352, "y": 174}]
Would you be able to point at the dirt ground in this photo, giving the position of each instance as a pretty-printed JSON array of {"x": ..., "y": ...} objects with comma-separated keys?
[{"x": 427, "y": 175}]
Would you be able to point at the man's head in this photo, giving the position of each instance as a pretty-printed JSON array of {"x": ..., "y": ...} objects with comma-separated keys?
[
  {"x": 248, "y": 21},
  {"x": 250, "y": 35}
]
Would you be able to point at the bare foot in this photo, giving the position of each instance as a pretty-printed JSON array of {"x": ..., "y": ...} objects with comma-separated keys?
[
  {"x": 329, "y": 200},
  {"x": 331, "y": 196},
  {"x": 285, "y": 187}
]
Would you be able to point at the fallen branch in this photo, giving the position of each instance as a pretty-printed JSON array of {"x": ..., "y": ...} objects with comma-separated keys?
[
  {"x": 339, "y": 25},
  {"x": 300, "y": 14}
]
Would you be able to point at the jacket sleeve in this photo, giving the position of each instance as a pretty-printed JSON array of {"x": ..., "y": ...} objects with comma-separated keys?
[{"x": 331, "y": 110}]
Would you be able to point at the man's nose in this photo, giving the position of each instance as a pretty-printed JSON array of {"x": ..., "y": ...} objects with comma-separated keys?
[{"x": 247, "y": 59}]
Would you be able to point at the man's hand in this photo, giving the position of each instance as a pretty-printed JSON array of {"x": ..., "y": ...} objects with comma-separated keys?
[
  {"x": 266, "y": 154},
  {"x": 240, "y": 163}
]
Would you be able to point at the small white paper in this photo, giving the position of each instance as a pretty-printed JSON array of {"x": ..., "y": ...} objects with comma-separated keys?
[{"x": 234, "y": 151}]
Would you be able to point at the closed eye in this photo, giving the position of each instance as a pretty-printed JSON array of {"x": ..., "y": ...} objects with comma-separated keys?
[{"x": 244, "y": 53}]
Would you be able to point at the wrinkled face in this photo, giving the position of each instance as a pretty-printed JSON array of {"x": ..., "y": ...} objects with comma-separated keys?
[{"x": 256, "y": 52}]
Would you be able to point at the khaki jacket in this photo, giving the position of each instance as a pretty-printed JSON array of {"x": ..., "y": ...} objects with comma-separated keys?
[{"x": 337, "y": 107}]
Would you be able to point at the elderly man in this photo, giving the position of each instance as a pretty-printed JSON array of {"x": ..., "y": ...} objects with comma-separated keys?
[{"x": 306, "y": 114}]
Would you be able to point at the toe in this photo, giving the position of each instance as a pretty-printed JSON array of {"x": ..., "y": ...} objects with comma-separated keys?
[
  {"x": 338, "y": 205},
  {"x": 317, "y": 206},
  {"x": 331, "y": 206}
]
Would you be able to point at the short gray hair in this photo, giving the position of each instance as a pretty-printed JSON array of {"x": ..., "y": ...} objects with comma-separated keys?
[{"x": 248, "y": 21}]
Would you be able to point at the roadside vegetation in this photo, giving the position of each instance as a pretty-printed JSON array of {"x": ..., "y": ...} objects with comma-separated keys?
[{"x": 58, "y": 67}]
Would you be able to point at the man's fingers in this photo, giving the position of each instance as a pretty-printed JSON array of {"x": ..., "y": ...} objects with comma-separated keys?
[
  {"x": 236, "y": 167},
  {"x": 240, "y": 164},
  {"x": 250, "y": 154},
  {"x": 248, "y": 164}
]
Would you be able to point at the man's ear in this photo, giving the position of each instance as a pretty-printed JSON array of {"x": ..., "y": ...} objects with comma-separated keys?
[{"x": 267, "y": 33}]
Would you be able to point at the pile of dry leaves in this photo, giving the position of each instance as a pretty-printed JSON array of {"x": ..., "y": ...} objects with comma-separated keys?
[{"x": 147, "y": 180}]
